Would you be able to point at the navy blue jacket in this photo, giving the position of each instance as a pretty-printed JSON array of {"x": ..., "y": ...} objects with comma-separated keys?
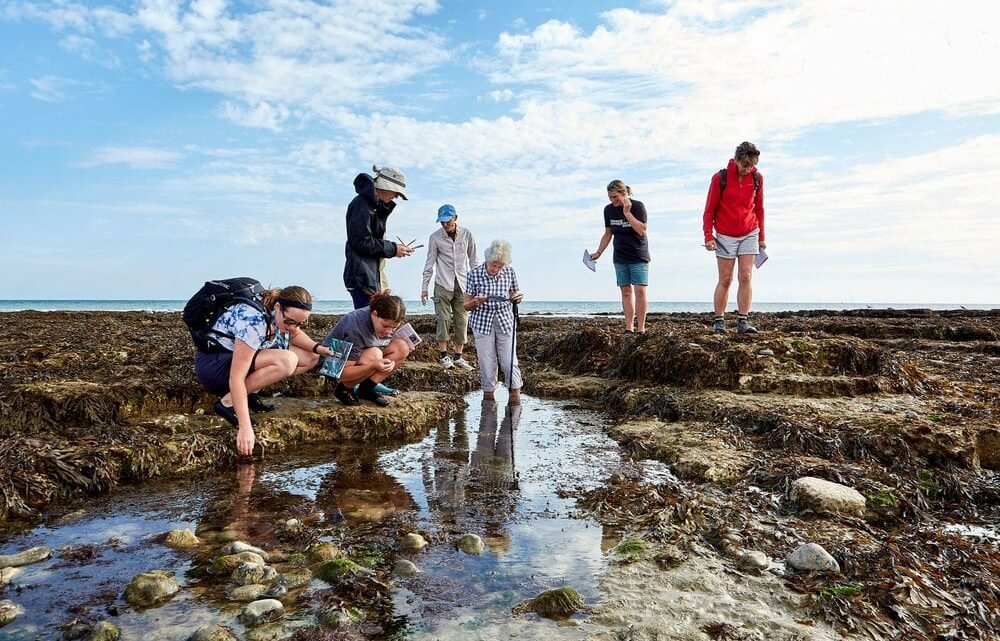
[{"x": 366, "y": 217}]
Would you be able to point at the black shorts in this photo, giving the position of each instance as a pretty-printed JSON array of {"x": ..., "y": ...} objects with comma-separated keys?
[{"x": 213, "y": 370}]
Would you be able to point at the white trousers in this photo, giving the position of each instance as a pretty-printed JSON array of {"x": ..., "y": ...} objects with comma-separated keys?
[{"x": 494, "y": 353}]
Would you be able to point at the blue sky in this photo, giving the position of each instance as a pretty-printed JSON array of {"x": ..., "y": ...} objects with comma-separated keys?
[{"x": 150, "y": 145}]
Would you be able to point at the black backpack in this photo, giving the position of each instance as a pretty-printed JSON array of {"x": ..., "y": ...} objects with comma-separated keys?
[
  {"x": 205, "y": 307},
  {"x": 722, "y": 182}
]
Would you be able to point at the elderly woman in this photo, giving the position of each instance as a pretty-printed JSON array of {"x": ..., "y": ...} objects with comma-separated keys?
[{"x": 490, "y": 294}]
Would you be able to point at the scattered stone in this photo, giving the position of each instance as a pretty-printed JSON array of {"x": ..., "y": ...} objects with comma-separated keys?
[
  {"x": 811, "y": 557},
  {"x": 276, "y": 591},
  {"x": 150, "y": 588},
  {"x": 560, "y": 603},
  {"x": 239, "y": 546},
  {"x": 246, "y": 593},
  {"x": 753, "y": 561},
  {"x": 766, "y": 352},
  {"x": 9, "y": 611},
  {"x": 910, "y": 415},
  {"x": 333, "y": 571},
  {"x": 811, "y": 493},
  {"x": 412, "y": 542},
  {"x": 181, "y": 539},
  {"x": 269, "y": 632},
  {"x": 34, "y": 555},
  {"x": 104, "y": 631},
  {"x": 294, "y": 578},
  {"x": 7, "y": 574},
  {"x": 248, "y": 573},
  {"x": 228, "y": 563},
  {"x": 340, "y": 617},
  {"x": 470, "y": 544},
  {"x": 213, "y": 633},
  {"x": 405, "y": 568},
  {"x": 323, "y": 552},
  {"x": 293, "y": 526},
  {"x": 261, "y": 612}
]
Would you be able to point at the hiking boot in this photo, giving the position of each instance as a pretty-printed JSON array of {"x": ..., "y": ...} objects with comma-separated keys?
[
  {"x": 461, "y": 363},
  {"x": 345, "y": 395},
  {"x": 719, "y": 326},
  {"x": 744, "y": 327},
  {"x": 258, "y": 404},
  {"x": 366, "y": 391},
  {"x": 228, "y": 413},
  {"x": 447, "y": 363}
]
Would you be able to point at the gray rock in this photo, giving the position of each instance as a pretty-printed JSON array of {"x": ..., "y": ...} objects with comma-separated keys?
[
  {"x": 269, "y": 632},
  {"x": 323, "y": 552},
  {"x": 412, "y": 542},
  {"x": 339, "y": 617},
  {"x": 150, "y": 588},
  {"x": 27, "y": 557},
  {"x": 276, "y": 591},
  {"x": 811, "y": 557},
  {"x": 753, "y": 561},
  {"x": 293, "y": 526},
  {"x": 248, "y": 573},
  {"x": 261, "y": 612},
  {"x": 405, "y": 568},
  {"x": 810, "y": 493},
  {"x": 104, "y": 631},
  {"x": 181, "y": 539},
  {"x": 239, "y": 546},
  {"x": 213, "y": 633},
  {"x": 7, "y": 575},
  {"x": 226, "y": 564},
  {"x": 9, "y": 611},
  {"x": 294, "y": 578},
  {"x": 470, "y": 544},
  {"x": 910, "y": 415},
  {"x": 766, "y": 352},
  {"x": 246, "y": 593}
]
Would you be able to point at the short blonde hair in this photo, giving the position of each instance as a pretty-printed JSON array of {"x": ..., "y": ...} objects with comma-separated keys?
[
  {"x": 619, "y": 185},
  {"x": 498, "y": 252}
]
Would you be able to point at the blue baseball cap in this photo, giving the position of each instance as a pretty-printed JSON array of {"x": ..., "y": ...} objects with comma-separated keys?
[{"x": 446, "y": 213}]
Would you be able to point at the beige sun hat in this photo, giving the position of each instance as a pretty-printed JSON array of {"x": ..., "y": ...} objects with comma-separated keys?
[{"x": 390, "y": 179}]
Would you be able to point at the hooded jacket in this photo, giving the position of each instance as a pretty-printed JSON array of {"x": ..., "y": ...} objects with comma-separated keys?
[
  {"x": 739, "y": 211},
  {"x": 366, "y": 218}
]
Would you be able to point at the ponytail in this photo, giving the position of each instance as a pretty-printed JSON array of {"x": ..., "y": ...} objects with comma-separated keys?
[{"x": 388, "y": 307}]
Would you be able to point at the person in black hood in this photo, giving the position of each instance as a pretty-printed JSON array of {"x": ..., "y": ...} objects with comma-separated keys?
[{"x": 366, "y": 244}]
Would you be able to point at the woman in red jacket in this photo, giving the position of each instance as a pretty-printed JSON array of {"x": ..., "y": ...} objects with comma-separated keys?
[{"x": 735, "y": 208}]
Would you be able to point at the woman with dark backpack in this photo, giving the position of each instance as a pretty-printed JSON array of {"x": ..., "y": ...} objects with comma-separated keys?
[{"x": 258, "y": 347}]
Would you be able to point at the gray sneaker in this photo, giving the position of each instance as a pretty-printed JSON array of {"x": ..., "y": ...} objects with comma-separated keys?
[
  {"x": 447, "y": 363},
  {"x": 744, "y": 327},
  {"x": 461, "y": 363},
  {"x": 719, "y": 326}
]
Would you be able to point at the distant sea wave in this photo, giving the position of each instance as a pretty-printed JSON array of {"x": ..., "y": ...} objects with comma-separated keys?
[{"x": 550, "y": 308}]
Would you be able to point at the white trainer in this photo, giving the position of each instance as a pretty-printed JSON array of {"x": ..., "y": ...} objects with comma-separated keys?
[
  {"x": 461, "y": 363},
  {"x": 447, "y": 363}
]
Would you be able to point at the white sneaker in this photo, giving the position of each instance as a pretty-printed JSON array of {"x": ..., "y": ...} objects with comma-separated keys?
[
  {"x": 447, "y": 363},
  {"x": 461, "y": 363}
]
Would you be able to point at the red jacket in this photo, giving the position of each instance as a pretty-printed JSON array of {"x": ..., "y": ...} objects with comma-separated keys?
[{"x": 739, "y": 211}]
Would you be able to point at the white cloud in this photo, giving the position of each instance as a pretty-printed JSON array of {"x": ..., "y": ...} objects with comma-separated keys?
[
  {"x": 501, "y": 95},
  {"x": 262, "y": 115},
  {"x": 51, "y": 88},
  {"x": 134, "y": 157}
]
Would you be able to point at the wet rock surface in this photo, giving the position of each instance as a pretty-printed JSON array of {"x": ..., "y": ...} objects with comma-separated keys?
[
  {"x": 151, "y": 588},
  {"x": 27, "y": 557}
]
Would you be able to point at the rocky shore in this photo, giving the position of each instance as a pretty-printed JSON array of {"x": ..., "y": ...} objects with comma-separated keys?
[{"x": 848, "y": 456}]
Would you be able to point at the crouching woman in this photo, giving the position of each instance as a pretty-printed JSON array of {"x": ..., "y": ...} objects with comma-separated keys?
[
  {"x": 490, "y": 294},
  {"x": 258, "y": 349},
  {"x": 375, "y": 353}
]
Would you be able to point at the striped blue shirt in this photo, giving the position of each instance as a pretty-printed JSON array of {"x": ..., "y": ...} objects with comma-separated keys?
[{"x": 497, "y": 308}]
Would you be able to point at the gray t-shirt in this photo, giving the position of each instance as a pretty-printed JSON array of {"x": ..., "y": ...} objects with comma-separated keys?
[{"x": 356, "y": 327}]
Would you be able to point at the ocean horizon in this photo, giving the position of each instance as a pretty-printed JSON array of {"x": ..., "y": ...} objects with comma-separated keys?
[{"x": 548, "y": 308}]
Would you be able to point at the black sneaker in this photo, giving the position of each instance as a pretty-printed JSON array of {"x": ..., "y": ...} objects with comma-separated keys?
[
  {"x": 345, "y": 395},
  {"x": 258, "y": 404},
  {"x": 719, "y": 326},
  {"x": 228, "y": 413},
  {"x": 744, "y": 327},
  {"x": 366, "y": 391}
]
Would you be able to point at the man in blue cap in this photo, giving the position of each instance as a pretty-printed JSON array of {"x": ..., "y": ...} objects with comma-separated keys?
[{"x": 452, "y": 250}]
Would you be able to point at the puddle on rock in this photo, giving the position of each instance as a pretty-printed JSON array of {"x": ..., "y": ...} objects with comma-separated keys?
[{"x": 505, "y": 474}]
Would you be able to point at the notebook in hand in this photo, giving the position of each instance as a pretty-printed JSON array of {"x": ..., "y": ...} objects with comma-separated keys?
[
  {"x": 407, "y": 333},
  {"x": 333, "y": 366}
]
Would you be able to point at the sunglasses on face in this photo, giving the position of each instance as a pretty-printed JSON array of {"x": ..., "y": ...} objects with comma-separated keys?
[{"x": 291, "y": 322}]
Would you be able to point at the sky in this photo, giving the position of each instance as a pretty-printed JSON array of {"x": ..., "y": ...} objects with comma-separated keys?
[{"x": 150, "y": 145}]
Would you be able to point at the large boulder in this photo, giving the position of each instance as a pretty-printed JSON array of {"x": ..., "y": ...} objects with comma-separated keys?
[
  {"x": 150, "y": 588},
  {"x": 27, "y": 557},
  {"x": 820, "y": 495}
]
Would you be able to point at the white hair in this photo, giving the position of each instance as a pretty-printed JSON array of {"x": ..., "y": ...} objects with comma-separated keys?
[{"x": 498, "y": 252}]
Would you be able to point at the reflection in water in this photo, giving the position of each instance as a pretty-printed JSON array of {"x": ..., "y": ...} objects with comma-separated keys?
[{"x": 362, "y": 490}]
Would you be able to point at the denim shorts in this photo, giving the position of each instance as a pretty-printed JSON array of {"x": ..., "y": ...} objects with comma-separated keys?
[
  {"x": 632, "y": 274},
  {"x": 213, "y": 370}
]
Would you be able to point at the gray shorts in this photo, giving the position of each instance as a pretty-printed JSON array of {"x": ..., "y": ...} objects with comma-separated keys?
[{"x": 731, "y": 247}]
